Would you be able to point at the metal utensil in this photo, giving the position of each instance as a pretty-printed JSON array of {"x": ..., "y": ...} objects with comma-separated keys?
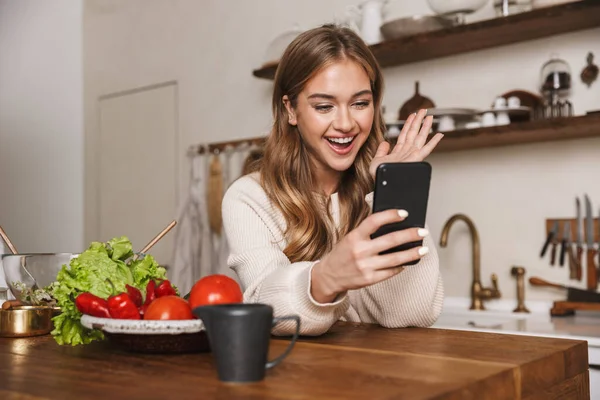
[
  {"x": 10, "y": 245},
  {"x": 13, "y": 249},
  {"x": 592, "y": 273},
  {"x": 579, "y": 240},
  {"x": 570, "y": 254},
  {"x": 156, "y": 239},
  {"x": 564, "y": 242},
  {"x": 549, "y": 238},
  {"x": 573, "y": 294}
]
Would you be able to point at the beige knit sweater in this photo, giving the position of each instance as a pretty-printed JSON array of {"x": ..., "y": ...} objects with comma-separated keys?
[{"x": 255, "y": 234}]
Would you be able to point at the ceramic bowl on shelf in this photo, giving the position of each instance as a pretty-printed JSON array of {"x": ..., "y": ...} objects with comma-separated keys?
[
  {"x": 456, "y": 8},
  {"x": 152, "y": 336},
  {"x": 278, "y": 45},
  {"x": 413, "y": 25},
  {"x": 521, "y": 111}
]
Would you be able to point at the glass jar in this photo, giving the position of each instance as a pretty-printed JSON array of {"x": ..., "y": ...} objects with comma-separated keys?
[
  {"x": 555, "y": 85},
  {"x": 556, "y": 76}
]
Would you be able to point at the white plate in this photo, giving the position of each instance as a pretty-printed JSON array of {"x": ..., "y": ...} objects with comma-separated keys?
[
  {"x": 143, "y": 327},
  {"x": 510, "y": 110},
  {"x": 453, "y": 112}
]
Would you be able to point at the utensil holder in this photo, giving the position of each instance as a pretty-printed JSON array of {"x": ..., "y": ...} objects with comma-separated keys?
[{"x": 561, "y": 223}]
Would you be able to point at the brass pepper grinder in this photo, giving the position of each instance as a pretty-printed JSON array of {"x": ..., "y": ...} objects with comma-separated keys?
[{"x": 519, "y": 272}]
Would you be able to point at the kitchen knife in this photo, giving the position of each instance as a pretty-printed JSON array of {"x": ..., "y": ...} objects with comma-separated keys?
[
  {"x": 550, "y": 236},
  {"x": 553, "y": 251},
  {"x": 572, "y": 263},
  {"x": 592, "y": 273},
  {"x": 579, "y": 240},
  {"x": 564, "y": 242},
  {"x": 573, "y": 294}
]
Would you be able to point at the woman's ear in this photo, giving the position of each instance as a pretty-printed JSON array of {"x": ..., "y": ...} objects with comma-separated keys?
[{"x": 292, "y": 120}]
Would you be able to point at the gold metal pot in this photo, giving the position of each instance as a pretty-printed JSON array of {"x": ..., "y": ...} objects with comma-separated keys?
[{"x": 23, "y": 321}]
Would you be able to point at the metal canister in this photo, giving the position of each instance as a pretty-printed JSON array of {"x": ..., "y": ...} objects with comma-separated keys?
[{"x": 23, "y": 321}]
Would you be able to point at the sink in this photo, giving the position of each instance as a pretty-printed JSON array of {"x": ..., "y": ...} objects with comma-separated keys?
[{"x": 481, "y": 320}]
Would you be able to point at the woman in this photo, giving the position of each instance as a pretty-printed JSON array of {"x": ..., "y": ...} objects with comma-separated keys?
[{"x": 299, "y": 226}]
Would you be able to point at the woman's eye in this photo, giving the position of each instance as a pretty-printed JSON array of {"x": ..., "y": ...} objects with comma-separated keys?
[
  {"x": 323, "y": 107},
  {"x": 362, "y": 104}
]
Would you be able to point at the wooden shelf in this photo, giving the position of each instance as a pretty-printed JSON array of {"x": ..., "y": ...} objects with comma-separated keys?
[
  {"x": 536, "y": 24},
  {"x": 546, "y": 130}
]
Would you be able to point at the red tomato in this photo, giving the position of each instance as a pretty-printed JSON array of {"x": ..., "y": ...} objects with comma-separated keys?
[
  {"x": 215, "y": 289},
  {"x": 169, "y": 307}
]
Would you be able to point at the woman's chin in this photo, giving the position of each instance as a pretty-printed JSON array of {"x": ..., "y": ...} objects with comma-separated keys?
[{"x": 341, "y": 165}]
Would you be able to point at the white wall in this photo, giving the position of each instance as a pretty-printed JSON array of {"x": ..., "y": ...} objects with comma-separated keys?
[
  {"x": 41, "y": 124},
  {"x": 211, "y": 47}
]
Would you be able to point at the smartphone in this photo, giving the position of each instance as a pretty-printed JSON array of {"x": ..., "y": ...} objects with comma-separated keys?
[{"x": 402, "y": 186}]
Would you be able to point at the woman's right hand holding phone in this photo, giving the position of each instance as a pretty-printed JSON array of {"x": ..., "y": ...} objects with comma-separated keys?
[{"x": 355, "y": 262}]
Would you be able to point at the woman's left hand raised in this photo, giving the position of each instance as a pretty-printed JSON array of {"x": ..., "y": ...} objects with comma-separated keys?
[{"x": 410, "y": 146}]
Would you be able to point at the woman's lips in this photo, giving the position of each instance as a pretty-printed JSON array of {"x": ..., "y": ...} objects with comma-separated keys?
[{"x": 340, "y": 149}]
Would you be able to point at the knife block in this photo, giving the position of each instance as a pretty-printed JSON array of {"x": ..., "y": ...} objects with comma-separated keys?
[{"x": 561, "y": 223}]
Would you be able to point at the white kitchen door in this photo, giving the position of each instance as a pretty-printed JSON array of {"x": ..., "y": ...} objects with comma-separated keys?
[{"x": 137, "y": 169}]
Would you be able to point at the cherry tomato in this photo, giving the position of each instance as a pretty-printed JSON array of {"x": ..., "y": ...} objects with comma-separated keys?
[
  {"x": 169, "y": 307},
  {"x": 215, "y": 289}
]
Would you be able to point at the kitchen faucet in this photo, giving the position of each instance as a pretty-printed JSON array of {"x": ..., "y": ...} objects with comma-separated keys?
[{"x": 478, "y": 292}]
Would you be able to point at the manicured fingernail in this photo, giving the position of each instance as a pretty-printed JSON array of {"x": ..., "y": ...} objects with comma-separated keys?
[
  {"x": 422, "y": 232},
  {"x": 423, "y": 250},
  {"x": 403, "y": 213}
]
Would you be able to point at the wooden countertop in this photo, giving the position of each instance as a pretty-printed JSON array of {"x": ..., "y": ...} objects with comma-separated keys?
[{"x": 352, "y": 361}]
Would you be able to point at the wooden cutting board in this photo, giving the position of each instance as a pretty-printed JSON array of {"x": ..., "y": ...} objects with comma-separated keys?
[{"x": 414, "y": 104}]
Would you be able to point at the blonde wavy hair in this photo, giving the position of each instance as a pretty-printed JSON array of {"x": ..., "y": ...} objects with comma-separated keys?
[{"x": 285, "y": 167}]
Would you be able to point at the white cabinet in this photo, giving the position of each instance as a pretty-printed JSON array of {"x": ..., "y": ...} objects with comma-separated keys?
[{"x": 137, "y": 168}]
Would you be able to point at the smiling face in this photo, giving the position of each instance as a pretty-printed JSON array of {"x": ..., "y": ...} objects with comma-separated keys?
[{"x": 334, "y": 114}]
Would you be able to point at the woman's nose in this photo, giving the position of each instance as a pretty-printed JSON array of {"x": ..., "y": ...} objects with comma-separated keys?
[{"x": 343, "y": 121}]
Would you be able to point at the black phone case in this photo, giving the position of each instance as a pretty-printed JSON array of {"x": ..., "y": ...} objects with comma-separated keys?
[{"x": 402, "y": 186}]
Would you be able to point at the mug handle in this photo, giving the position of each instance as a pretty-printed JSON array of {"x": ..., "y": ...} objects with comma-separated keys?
[{"x": 287, "y": 351}]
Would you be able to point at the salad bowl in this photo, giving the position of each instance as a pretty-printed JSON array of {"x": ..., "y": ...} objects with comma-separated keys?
[
  {"x": 152, "y": 336},
  {"x": 33, "y": 273}
]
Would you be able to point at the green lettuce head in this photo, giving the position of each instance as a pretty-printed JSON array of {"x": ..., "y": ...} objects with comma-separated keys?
[{"x": 93, "y": 271}]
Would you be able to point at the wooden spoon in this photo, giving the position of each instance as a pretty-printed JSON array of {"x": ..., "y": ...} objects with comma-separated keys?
[
  {"x": 8, "y": 304},
  {"x": 10, "y": 245},
  {"x": 13, "y": 249},
  {"x": 156, "y": 239}
]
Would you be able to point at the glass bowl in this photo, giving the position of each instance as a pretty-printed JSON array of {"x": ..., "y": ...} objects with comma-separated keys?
[{"x": 33, "y": 271}]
